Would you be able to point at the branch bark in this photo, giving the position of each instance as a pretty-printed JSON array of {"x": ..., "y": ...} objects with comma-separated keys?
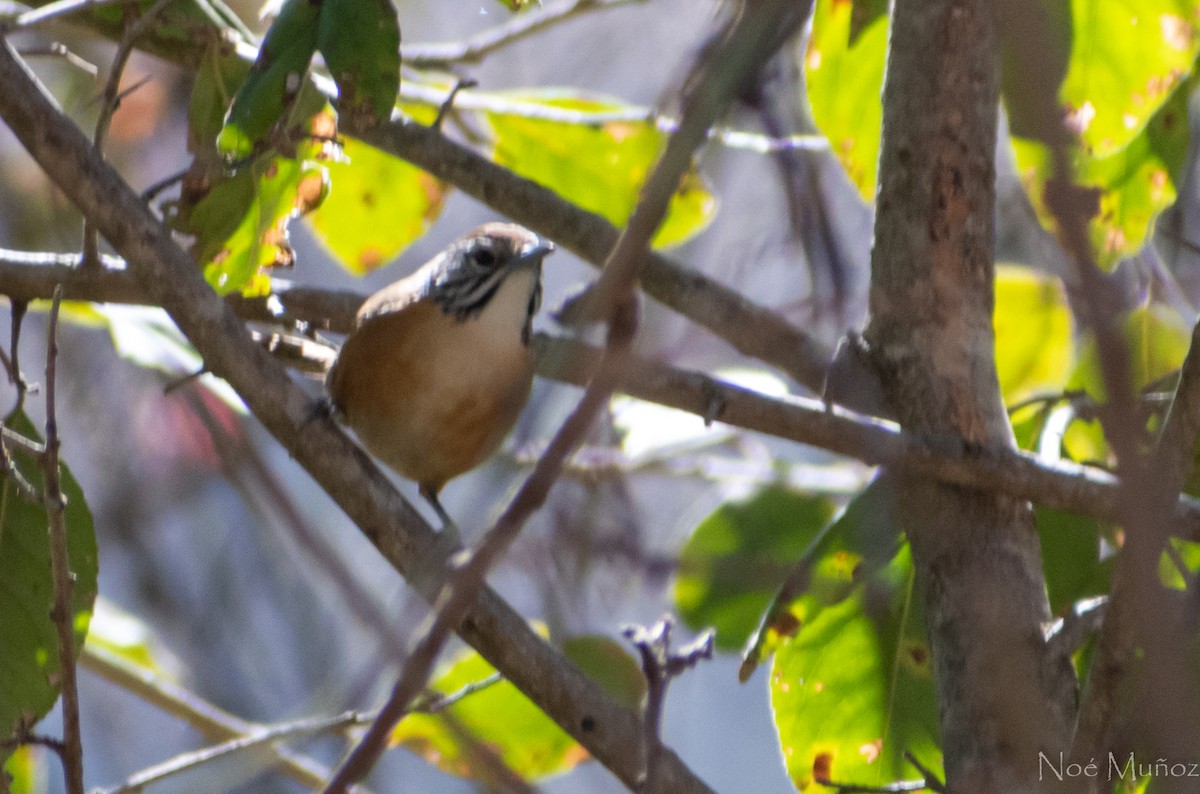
[
  {"x": 1003, "y": 694},
  {"x": 1084, "y": 490},
  {"x": 171, "y": 280}
]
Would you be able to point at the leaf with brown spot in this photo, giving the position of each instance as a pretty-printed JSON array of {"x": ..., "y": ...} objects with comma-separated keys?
[{"x": 377, "y": 206}]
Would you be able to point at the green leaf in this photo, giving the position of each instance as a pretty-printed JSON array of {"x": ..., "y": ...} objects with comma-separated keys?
[
  {"x": 360, "y": 41},
  {"x": 1186, "y": 552},
  {"x": 608, "y": 663},
  {"x": 1034, "y": 335},
  {"x": 844, "y": 74},
  {"x": 864, "y": 14},
  {"x": 27, "y": 766},
  {"x": 1131, "y": 186},
  {"x": 29, "y": 661},
  {"x": 853, "y": 689},
  {"x": 1127, "y": 58},
  {"x": 1158, "y": 339},
  {"x": 1125, "y": 93},
  {"x": 862, "y": 539},
  {"x": 275, "y": 79},
  {"x": 241, "y": 224},
  {"x": 125, "y": 637},
  {"x": 1071, "y": 557},
  {"x": 377, "y": 206},
  {"x": 498, "y": 717},
  {"x": 600, "y": 167},
  {"x": 739, "y": 555}
]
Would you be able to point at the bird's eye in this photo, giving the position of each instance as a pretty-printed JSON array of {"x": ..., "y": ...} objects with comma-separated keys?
[{"x": 484, "y": 256}]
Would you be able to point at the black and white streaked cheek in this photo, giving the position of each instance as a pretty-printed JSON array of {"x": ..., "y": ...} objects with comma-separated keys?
[{"x": 463, "y": 290}]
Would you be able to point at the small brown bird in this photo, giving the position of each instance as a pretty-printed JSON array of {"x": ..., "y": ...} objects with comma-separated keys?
[{"x": 439, "y": 367}]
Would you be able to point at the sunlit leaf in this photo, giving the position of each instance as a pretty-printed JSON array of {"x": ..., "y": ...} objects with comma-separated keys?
[
  {"x": 843, "y": 69},
  {"x": 1034, "y": 342},
  {"x": 853, "y": 689},
  {"x": 29, "y": 660},
  {"x": 498, "y": 717},
  {"x": 1125, "y": 95},
  {"x": 126, "y": 637},
  {"x": 241, "y": 225},
  {"x": 275, "y": 79},
  {"x": 360, "y": 41},
  {"x": 1127, "y": 58},
  {"x": 377, "y": 206},
  {"x": 27, "y": 767},
  {"x": 600, "y": 167},
  {"x": 864, "y": 538},
  {"x": 1185, "y": 553},
  {"x": 739, "y": 555},
  {"x": 1158, "y": 340}
]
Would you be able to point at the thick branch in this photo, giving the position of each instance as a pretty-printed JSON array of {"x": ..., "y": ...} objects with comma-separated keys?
[
  {"x": 172, "y": 280},
  {"x": 1067, "y": 486},
  {"x": 1003, "y": 694}
]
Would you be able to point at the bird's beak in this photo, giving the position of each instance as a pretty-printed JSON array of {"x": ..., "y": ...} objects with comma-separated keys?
[{"x": 535, "y": 250}]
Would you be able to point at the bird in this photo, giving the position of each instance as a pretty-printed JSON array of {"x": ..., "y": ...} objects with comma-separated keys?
[{"x": 439, "y": 365}]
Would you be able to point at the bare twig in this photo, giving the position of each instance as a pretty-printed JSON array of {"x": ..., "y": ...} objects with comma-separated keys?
[
  {"x": 27, "y": 490},
  {"x": 213, "y": 723},
  {"x": 660, "y": 665},
  {"x": 17, "y": 317},
  {"x": 187, "y": 762},
  {"x": 110, "y": 100},
  {"x": 479, "y": 46},
  {"x": 63, "y": 612},
  {"x": 499, "y": 104},
  {"x": 1071, "y": 631},
  {"x": 58, "y": 9},
  {"x": 56, "y": 49}
]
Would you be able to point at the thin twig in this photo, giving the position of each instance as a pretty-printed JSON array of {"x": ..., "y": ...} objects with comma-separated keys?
[
  {"x": 17, "y": 316},
  {"x": 659, "y": 666},
  {"x": 63, "y": 612},
  {"x": 187, "y": 762},
  {"x": 499, "y": 104},
  {"x": 27, "y": 490},
  {"x": 57, "y": 9},
  {"x": 110, "y": 100},
  {"x": 479, "y": 46},
  {"x": 1069, "y": 633},
  {"x": 56, "y": 49},
  {"x": 213, "y": 723}
]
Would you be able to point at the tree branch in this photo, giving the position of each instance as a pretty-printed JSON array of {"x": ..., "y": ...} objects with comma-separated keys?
[
  {"x": 1084, "y": 490},
  {"x": 479, "y": 46},
  {"x": 63, "y": 612},
  {"x": 171, "y": 279}
]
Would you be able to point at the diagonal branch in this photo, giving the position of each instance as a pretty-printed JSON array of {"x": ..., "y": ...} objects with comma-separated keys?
[{"x": 171, "y": 279}]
